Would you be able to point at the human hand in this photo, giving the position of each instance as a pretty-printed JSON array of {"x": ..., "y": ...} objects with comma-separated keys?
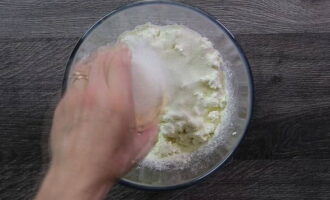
[{"x": 94, "y": 139}]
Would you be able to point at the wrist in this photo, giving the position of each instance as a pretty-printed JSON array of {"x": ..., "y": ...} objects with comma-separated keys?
[{"x": 61, "y": 184}]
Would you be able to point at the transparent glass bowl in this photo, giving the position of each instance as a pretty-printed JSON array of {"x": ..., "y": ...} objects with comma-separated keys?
[{"x": 106, "y": 31}]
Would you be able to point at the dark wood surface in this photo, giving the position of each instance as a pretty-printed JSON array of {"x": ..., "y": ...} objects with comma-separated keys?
[{"x": 286, "y": 152}]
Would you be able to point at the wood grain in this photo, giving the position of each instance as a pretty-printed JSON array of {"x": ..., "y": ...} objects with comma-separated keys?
[
  {"x": 286, "y": 152},
  {"x": 64, "y": 18},
  {"x": 253, "y": 179},
  {"x": 292, "y": 91},
  {"x": 262, "y": 179}
]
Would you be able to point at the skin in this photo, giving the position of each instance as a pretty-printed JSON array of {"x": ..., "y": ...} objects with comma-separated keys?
[{"x": 94, "y": 137}]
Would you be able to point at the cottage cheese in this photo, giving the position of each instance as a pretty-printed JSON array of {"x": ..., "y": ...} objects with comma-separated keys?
[{"x": 197, "y": 95}]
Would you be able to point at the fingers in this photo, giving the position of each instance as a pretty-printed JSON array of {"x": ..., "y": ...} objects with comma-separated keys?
[
  {"x": 100, "y": 63},
  {"x": 78, "y": 79},
  {"x": 119, "y": 79},
  {"x": 110, "y": 76},
  {"x": 117, "y": 68},
  {"x": 144, "y": 140}
]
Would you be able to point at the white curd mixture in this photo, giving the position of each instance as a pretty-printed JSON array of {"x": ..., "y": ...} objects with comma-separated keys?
[{"x": 192, "y": 81}]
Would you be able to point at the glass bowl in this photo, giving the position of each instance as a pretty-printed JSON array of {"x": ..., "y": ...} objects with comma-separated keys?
[{"x": 106, "y": 31}]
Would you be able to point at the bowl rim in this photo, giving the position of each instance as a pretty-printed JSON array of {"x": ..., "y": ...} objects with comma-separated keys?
[{"x": 240, "y": 51}]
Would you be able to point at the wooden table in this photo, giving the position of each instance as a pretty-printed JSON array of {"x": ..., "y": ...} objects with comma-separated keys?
[{"x": 286, "y": 153}]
